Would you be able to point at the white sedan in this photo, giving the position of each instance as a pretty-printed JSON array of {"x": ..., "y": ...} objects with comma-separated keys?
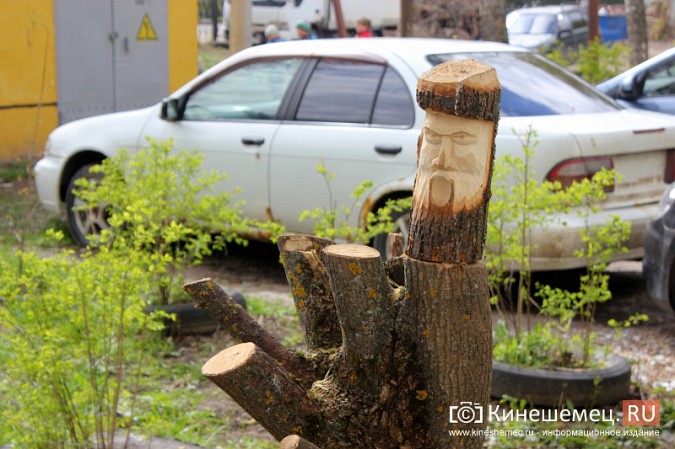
[{"x": 267, "y": 115}]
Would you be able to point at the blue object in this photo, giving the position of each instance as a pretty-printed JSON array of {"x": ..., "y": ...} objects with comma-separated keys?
[{"x": 613, "y": 28}]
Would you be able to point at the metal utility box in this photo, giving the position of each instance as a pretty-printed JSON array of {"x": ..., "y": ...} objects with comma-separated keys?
[{"x": 69, "y": 59}]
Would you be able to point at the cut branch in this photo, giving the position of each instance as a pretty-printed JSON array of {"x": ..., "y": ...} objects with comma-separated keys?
[
  {"x": 255, "y": 381},
  {"x": 311, "y": 289},
  {"x": 365, "y": 305},
  {"x": 233, "y": 318}
]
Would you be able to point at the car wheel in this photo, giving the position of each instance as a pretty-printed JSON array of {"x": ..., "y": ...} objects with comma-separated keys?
[
  {"x": 401, "y": 224},
  {"x": 87, "y": 222}
]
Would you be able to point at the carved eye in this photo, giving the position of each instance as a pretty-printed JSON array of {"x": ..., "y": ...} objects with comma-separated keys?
[
  {"x": 463, "y": 138},
  {"x": 432, "y": 137}
]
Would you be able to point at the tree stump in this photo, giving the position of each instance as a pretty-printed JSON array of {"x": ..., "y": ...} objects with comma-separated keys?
[{"x": 390, "y": 363}]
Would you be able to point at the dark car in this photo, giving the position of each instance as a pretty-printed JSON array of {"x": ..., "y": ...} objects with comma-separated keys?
[
  {"x": 650, "y": 85},
  {"x": 659, "y": 269}
]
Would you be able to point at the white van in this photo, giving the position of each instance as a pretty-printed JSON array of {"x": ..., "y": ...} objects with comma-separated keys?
[{"x": 383, "y": 14}]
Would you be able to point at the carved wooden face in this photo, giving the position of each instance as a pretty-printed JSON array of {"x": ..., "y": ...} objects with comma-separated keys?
[{"x": 453, "y": 161}]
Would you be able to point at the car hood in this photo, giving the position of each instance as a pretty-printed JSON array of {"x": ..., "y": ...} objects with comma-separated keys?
[{"x": 105, "y": 133}]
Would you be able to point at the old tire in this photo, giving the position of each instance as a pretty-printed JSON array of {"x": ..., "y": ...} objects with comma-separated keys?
[
  {"x": 191, "y": 320},
  {"x": 552, "y": 388}
]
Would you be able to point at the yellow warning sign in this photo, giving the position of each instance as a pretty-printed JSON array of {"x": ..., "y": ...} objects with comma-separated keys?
[{"x": 146, "y": 32}]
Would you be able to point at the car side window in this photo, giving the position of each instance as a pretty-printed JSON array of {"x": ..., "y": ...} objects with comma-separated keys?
[
  {"x": 356, "y": 92},
  {"x": 660, "y": 82},
  {"x": 340, "y": 91},
  {"x": 254, "y": 91},
  {"x": 577, "y": 19},
  {"x": 393, "y": 106}
]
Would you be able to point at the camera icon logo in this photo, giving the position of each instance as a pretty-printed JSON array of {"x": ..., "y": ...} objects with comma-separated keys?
[{"x": 466, "y": 413}]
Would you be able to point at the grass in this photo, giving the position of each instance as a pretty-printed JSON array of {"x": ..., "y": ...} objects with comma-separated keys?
[
  {"x": 23, "y": 221},
  {"x": 210, "y": 55}
]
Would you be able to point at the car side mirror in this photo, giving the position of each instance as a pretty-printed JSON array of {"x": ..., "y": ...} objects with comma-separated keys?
[
  {"x": 628, "y": 90},
  {"x": 170, "y": 110}
]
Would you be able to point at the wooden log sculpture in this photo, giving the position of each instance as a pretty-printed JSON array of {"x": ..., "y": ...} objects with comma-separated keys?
[{"x": 399, "y": 353}]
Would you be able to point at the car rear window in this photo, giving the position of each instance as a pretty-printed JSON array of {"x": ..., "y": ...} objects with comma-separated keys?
[{"x": 533, "y": 85}]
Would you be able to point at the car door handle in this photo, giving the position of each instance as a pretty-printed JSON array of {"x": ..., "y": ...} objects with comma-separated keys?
[
  {"x": 257, "y": 141},
  {"x": 388, "y": 149}
]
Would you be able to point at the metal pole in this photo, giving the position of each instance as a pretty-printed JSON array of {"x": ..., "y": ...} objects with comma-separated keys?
[
  {"x": 405, "y": 22},
  {"x": 214, "y": 19},
  {"x": 593, "y": 33},
  {"x": 240, "y": 25},
  {"x": 340, "y": 19}
]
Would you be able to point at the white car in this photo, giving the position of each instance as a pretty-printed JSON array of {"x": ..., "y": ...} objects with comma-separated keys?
[{"x": 267, "y": 115}]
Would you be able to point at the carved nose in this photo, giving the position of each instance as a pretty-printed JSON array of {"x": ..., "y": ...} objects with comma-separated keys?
[{"x": 444, "y": 158}]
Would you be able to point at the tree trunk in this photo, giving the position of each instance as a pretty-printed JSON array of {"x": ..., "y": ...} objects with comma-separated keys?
[
  {"x": 493, "y": 21},
  {"x": 636, "y": 19},
  {"x": 454, "y": 19},
  {"x": 415, "y": 334}
]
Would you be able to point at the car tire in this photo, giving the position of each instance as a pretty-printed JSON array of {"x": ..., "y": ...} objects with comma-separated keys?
[
  {"x": 85, "y": 223},
  {"x": 401, "y": 224}
]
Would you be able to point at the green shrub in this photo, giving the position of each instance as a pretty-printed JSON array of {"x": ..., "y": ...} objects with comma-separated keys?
[
  {"x": 161, "y": 203},
  {"x": 333, "y": 222},
  {"x": 73, "y": 344},
  {"x": 519, "y": 204},
  {"x": 596, "y": 62}
]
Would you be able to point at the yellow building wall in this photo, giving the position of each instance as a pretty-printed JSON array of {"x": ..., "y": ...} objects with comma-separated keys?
[
  {"x": 28, "y": 110},
  {"x": 183, "y": 58},
  {"x": 28, "y": 96}
]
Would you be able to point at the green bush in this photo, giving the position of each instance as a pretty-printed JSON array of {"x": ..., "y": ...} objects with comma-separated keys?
[
  {"x": 333, "y": 222},
  {"x": 596, "y": 62},
  {"x": 161, "y": 203},
  {"x": 73, "y": 344},
  {"x": 514, "y": 212}
]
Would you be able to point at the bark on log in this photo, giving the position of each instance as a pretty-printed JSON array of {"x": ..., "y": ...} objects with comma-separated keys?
[
  {"x": 272, "y": 397},
  {"x": 364, "y": 302},
  {"x": 452, "y": 187},
  {"x": 311, "y": 289},
  {"x": 232, "y": 317},
  {"x": 452, "y": 324}
]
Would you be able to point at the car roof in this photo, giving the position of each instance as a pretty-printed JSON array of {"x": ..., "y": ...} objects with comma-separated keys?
[{"x": 413, "y": 51}]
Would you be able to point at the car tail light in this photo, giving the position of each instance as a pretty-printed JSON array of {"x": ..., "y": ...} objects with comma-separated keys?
[
  {"x": 579, "y": 169},
  {"x": 669, "y": 173}
]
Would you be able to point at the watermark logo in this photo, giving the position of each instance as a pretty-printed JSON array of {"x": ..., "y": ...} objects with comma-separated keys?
[
  {"x": 641, "y": 413},
  {"x": 466, "y": 413},
  {"x": 635, "y": 414}
]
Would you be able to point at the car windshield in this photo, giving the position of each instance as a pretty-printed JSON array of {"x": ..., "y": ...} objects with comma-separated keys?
[
  {"x": 533, "y": 85},
  {"x": 533, "y": 24}
]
